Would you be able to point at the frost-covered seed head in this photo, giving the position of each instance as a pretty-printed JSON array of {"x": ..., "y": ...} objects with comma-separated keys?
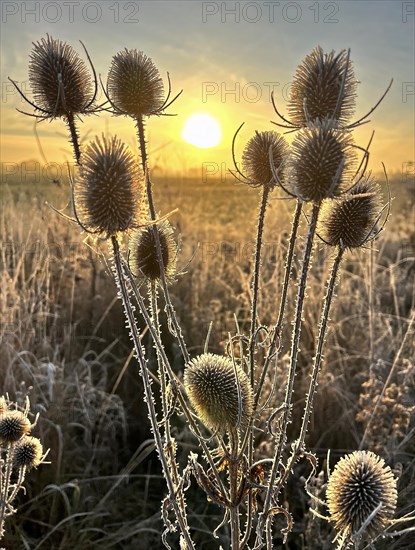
[
  {"x": 211, "y": 385},
  {"x": 60, "y": 80},
  {"x": 134, "y": 84},
  {"x": 143, "y": 252},
  {"x": 315, "y": 90},
  {"x": 108, "y": 191},
  {"x": 320, "y": 162},
  {"x": 359, "y": 483},
  {"x": 27, "y": 453},
  {"x": 256, "y": 158},
  {"x": 13, "y": 425},
  {"x": 348, "y": 221}
]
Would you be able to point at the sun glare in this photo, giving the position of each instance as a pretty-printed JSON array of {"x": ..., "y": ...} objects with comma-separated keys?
[{"x": 202, "y": 131}]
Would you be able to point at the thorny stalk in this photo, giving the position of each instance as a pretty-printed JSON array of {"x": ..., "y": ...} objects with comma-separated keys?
[
  {"x": 273, "y": 488},
  {"x": 74, "y": 137},
  {"x": 319, "y": 352},
  {"x": 175, "y": 382},
  {"x": 255, "y": 282},
  {"x": 274, "y": 346},
  {"x": 272, "y": 352},
  {"x": 5, "y": 488},
  {"x": 233, "y": 483},
  {"x": 120, "y": 279},
  {"x": 171, "y": 314}
]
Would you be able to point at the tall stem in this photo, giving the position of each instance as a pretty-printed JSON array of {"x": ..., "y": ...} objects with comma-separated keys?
[
  {"x": 174, "y": 380},
  {"x": 169, "y": 306},
  {"x": 74, "y": 137},
  {"x": 320, "y": 343},
  {"x": 233, "y": 482},
  {"x": 255, "y": 282},
  {"x": 273, "y": 346},
  {"x": 283, "y": 299},
  {"x": 371, "y": 307},
  {"x": 272, "y": 491},
  {"x": 128, "y": 309}
]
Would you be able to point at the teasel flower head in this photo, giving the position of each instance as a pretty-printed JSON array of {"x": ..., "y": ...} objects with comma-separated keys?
[
  {"x": 219, "y": 391},
  {"x": 359, "y": 484},
  {"x": 143, "y": 257},
  {"x": 13, "y": 426},
  {"x": 260, "y": 151},
  {"x": 350, "y": 220},
  {"x": 61, "y": 82},
  {"x": 321, "y": 159},
  {"x": 134, "y": 85},
  {"x": 108, "y": 190},
  {"x": 324, "y": 86},
  {"x": 27, "y": 453}
]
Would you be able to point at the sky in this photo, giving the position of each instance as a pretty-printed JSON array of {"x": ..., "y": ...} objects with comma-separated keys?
[{"x": 227, "y": 57}]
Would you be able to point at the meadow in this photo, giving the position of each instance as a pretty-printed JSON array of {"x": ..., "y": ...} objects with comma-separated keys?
[{"x": 64, "y": 343}]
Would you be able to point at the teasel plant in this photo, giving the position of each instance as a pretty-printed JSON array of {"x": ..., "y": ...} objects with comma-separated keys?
[
  {"x": 19, "y": 453},
  {"x": 221, "y": 395},
  {"x": 62, "y": 85}
]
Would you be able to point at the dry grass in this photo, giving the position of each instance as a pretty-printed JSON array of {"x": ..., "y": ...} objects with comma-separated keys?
[{"x": 64, "y": 344}]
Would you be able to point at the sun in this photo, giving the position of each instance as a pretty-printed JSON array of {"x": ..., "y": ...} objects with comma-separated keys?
[{"x": 202, "y": 130}]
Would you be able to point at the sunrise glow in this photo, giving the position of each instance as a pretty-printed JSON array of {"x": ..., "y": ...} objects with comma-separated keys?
[{"x": 202, "y": 130}]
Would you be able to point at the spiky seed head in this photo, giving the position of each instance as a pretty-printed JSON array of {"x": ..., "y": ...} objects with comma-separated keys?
[
  {"x": 256, "y": 158},
  {"x": 321, "y": 160},
  {"x": 108, "y": 191},
  {"x": 348, "y": 221},
  {"x": 212, "y": 386},
  {"x": 13, "y": 425},
  {"x": 4, "y": 407},
  {"x": 359, "y": 483},
  {"x": 316, "y": 87},
  {"x": 134, "y": 84},
  {"x": 143, "y": 252},
  {"x": 60, "y": 80},
  {"x": 27, "y": 453}
]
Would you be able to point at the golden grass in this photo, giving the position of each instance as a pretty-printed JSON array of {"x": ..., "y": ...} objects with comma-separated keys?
[{"x": 64, "y": 343}]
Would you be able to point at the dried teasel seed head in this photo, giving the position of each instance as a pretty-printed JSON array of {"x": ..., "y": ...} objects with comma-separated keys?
[
  {"x": 256, "y": 158},
  {"x": 143, "y": 252},
  {"x": 212, "y": 386},
  {"x": 316, "y": 88},
  {"x": 349, "y": 221},
  {"x": 359, "y": 483},
  {"x": 13, "y": 425},
  {"x": 27, "y": 453},
  {"x": 134, "y": 84},
  {"x": 60, "y": 80},
  {"x": 108, "y": 191},
  {"x": 321, "y": 160}
]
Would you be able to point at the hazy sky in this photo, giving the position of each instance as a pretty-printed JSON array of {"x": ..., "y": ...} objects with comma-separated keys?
[{"x": 226, "y": 56}]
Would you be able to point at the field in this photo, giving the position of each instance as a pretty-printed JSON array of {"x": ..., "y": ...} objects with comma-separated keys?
[{"x": 64, "y": 344}]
